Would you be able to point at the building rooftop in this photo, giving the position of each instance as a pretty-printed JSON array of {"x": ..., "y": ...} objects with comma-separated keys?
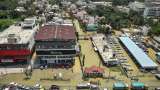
[
  {"x": 103, "y": 47},
  {"x": 17, "y": 34},
  {"x": 60, "y": 21},
  {"x": 59, "y": 32},
  {"x": 157, "y": 38},
  {"x": 29, "y": 22},
  {"x": 141, "y": 57},
  {"x": 119, "y": 85},
  {"x": 137, "y": 5},
  {"x": 93, "y": 69},
  {"x": 92, "y": 27}
]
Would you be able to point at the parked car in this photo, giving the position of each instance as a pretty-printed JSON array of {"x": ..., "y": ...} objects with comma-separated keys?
[
  {"x": 83, "y": 86},
  {"x": 94, "y": 87},
  {"x": 54, "y": 87},
  {"x": 105, "y": 89},
  {"x": 158, "y": 88},
  {"x": 38, "y": 87},
  {"x": 157, "y": 76}
]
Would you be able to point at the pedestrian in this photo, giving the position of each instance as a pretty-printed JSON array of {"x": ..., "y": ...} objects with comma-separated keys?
[
  {"x": 72, "y": 70},
  {"x": 1, "y": 73}
]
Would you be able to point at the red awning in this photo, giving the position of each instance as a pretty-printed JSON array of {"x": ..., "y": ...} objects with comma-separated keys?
[
  {"x": 14, "y": 52},
  {"x": 94, "y": 69}
]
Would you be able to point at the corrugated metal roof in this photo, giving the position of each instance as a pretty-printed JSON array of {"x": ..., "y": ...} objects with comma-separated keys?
[
  {"x": 139, "y": 55},
  {"x": 62, "y": 32}
]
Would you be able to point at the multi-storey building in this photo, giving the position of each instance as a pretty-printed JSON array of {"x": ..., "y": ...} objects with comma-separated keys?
[
  {"x": 137, "y": 6},
  {"x": 17, "y": 42},
  {"x": 152, "y": 8},
  {"x": 56, "y": 45}
]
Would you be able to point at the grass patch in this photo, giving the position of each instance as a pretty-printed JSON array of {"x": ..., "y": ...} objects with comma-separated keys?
[
  {"x": 156, "y": 29},
  {"x": 5, "y": 23},
  {"x": 115, "y": 69}
]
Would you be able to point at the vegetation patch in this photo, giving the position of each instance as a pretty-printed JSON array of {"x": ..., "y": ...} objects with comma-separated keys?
[{"x": 5, "y": 23}]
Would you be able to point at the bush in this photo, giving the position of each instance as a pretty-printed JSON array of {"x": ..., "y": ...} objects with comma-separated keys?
[
  {"x": 156, "y": 29},
  {"x": 5, "y": 23}
]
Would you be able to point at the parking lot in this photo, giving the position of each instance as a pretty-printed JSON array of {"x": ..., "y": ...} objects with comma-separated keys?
[{"x": 147, "y": 78}]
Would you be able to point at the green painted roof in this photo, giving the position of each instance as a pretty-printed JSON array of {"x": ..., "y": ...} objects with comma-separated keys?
[
  {"x": 137, "y": 84},
  {"x": 92, "y": 27}
]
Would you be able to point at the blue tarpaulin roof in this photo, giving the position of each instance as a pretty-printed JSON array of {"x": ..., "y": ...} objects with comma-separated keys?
[{"x": 140, "y": 56}]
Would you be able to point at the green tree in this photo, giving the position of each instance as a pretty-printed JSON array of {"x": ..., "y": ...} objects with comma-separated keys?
[
  {"x": 8, "y": 4},
  {"x": 5, "y": 23},
  {"x": 136, "y": 18},
  {"x": 116, "y": 18},
  {"x": 3, "y": 14},
  {"x": 103, "y": 29},
  {"x": 121, "y": 2},
  {"x": 155, "y": 29}
]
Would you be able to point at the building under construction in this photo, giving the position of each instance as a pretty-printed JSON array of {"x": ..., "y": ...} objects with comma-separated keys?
[{"x": 105, "y": 51}]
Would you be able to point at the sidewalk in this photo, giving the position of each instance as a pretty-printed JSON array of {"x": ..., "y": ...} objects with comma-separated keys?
[
  {"x": 10, "y": 70},
  {"x": 92, "y": 57}
]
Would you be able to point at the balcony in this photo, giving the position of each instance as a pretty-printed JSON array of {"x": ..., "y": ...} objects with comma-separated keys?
[{"x": 49, "y": 47}]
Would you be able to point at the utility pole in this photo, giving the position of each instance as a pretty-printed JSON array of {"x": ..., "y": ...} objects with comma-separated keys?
[
  {"x": 83, "y": 59},
  {"x": 99, "y": 63},
  {"x": 46, "y": 67},
  {"x": 109, "y": 75}
]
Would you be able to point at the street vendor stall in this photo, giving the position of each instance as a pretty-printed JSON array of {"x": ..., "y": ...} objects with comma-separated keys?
[{"x": 93, "y": 71}]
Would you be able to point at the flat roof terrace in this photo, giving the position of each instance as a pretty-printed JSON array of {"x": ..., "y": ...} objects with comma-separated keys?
[
  {"x": 141, "y": 57},
  {"x": 23, "y": 35}
]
